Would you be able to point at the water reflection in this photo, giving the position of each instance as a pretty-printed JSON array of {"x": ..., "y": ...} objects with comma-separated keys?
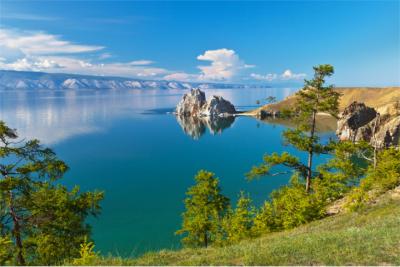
[
  {"x": 53, "y": 116},
  {"x": 195, "y": 127}
]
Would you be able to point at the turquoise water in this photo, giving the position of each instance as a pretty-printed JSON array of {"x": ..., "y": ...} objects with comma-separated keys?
[{"x": 127, "y": 144}]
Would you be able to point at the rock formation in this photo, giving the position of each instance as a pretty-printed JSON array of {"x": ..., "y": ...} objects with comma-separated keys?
[
  {"x": 217, "y": 106},
  {"x": 194, "y": 104},
  {"x": 359, "y": 122},
  {"x": 191, "y": 103}
]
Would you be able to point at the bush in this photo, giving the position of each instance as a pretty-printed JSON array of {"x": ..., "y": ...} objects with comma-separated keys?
[{"x": 385, "y": 176}]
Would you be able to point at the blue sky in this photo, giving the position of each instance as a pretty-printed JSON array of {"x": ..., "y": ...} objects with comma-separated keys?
[{"x": 263, "y": 41}]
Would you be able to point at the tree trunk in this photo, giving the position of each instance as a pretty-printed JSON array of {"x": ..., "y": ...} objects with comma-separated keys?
[
  {"x": 377, "y": 121},
  {"x": 205, "y": 239},
  {"x": 310, "y": 154},
  {"x": 16, "y": 232}
]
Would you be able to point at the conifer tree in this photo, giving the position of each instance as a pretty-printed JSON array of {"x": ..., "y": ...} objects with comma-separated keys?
[
  {"x": 241, "y": 219},
  {"x": 205, "y": 207},
  {"x": 44, "y": 221},
  {"x": 313, "y": 98}
]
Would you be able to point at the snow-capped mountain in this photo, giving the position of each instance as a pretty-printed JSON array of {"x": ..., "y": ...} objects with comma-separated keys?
[{"x": 40, "y": 80}]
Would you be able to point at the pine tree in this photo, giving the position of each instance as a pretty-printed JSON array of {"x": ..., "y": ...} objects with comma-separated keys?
[
  {"x": 313, "y": 98},
  {"x": 43, "y": 219},
  {"x": 205, "y": 207}
]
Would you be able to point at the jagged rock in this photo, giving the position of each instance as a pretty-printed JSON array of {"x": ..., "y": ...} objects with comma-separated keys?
[
  {"x": 217, "y": 106},
  {"x": 361, "y": 123},
  {"x": 388, "y": 133},
  {"x": 194, "y": 104},
  {"x": 191, "y": 103}
]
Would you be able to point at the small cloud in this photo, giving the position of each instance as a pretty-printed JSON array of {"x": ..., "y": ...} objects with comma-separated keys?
[
  {"x": 289, "y": 75},
  {"x": 286, "y": 75},
  {"x": 268, "y": 77},
  {"x": 30, "y": 64},
  {"x": 141, "y": 62}
]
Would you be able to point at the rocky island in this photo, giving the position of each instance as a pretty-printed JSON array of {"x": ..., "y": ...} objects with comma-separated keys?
[{"x": 195, "y": 104}]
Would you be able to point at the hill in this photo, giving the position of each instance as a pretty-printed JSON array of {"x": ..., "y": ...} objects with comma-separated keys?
[
  {"x": 368, "y": 237},
  {"x": 372, "y": 97}
]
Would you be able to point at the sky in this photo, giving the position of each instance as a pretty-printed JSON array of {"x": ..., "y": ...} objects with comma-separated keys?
[{"x": 268, "y": 42}]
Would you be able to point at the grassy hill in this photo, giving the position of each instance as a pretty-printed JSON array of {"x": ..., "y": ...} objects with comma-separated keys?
[
  {"x": 369, "y": 237},
  {"x": 373, "y": 97}
]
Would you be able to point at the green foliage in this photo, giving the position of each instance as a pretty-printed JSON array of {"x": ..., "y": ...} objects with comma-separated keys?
[
  {"x": 275, "y": 159},
  {"x": 313, "y": 98},
  {"x": 6, "y": 250},
  {"x": 87, "y": 254},
  {"x": 342, "y": 172},
  {"x": 293, "y": 206},
  {"x": 264, "y": 220},
  {"x": 45, "y": 220},
  {"x": 385, "y": 176},
  {"x": 240, "y": 220},
  {"x": 205, "y": 208}
]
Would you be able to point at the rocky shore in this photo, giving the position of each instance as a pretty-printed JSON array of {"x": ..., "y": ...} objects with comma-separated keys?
[{"x": 381, "y": 128}]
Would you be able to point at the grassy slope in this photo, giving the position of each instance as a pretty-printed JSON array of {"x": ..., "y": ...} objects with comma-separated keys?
[
  {"x": 373, "y": 97},
  {"x": 370, "y": 237}
]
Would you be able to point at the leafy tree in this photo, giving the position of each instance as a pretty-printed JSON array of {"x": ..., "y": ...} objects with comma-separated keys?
[
  {"x": 44, "y": 220},
  {"x": 205, "y": 207},
  {"x": 313, "y": 98},
  {"x": 240, "y": 220}
]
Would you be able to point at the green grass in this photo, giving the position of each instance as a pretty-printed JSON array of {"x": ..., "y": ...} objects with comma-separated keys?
[{"x": 369, "y": 237}]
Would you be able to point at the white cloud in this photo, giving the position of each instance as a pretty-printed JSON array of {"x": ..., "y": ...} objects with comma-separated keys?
[
  {"x": 289, "y": 75},
  {"x": 41, "y": 51},
  {"x": 141, "y": 62},
  {"x": 181, "y": 76},
  {"x": 225, "y": 64},
  {"x": 30, "y": 64},
  {"x": 38, "y": 51},
  {"x": 40, "y": 43},
  {"x": 267, "y": 77},
  {"x": 286, "y": 75}
]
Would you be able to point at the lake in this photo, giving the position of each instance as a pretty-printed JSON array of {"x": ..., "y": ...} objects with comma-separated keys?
[{"x": 127, "y": 144}]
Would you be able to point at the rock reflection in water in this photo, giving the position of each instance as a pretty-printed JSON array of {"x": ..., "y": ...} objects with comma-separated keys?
[{"x": 195, "y": 127}]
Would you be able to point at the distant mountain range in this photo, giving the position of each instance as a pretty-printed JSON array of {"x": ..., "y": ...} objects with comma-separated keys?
[{"x": 40, "y": 80}]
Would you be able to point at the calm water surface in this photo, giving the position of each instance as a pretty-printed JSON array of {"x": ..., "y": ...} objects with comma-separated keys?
[{"x": 125, "y": 143}]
